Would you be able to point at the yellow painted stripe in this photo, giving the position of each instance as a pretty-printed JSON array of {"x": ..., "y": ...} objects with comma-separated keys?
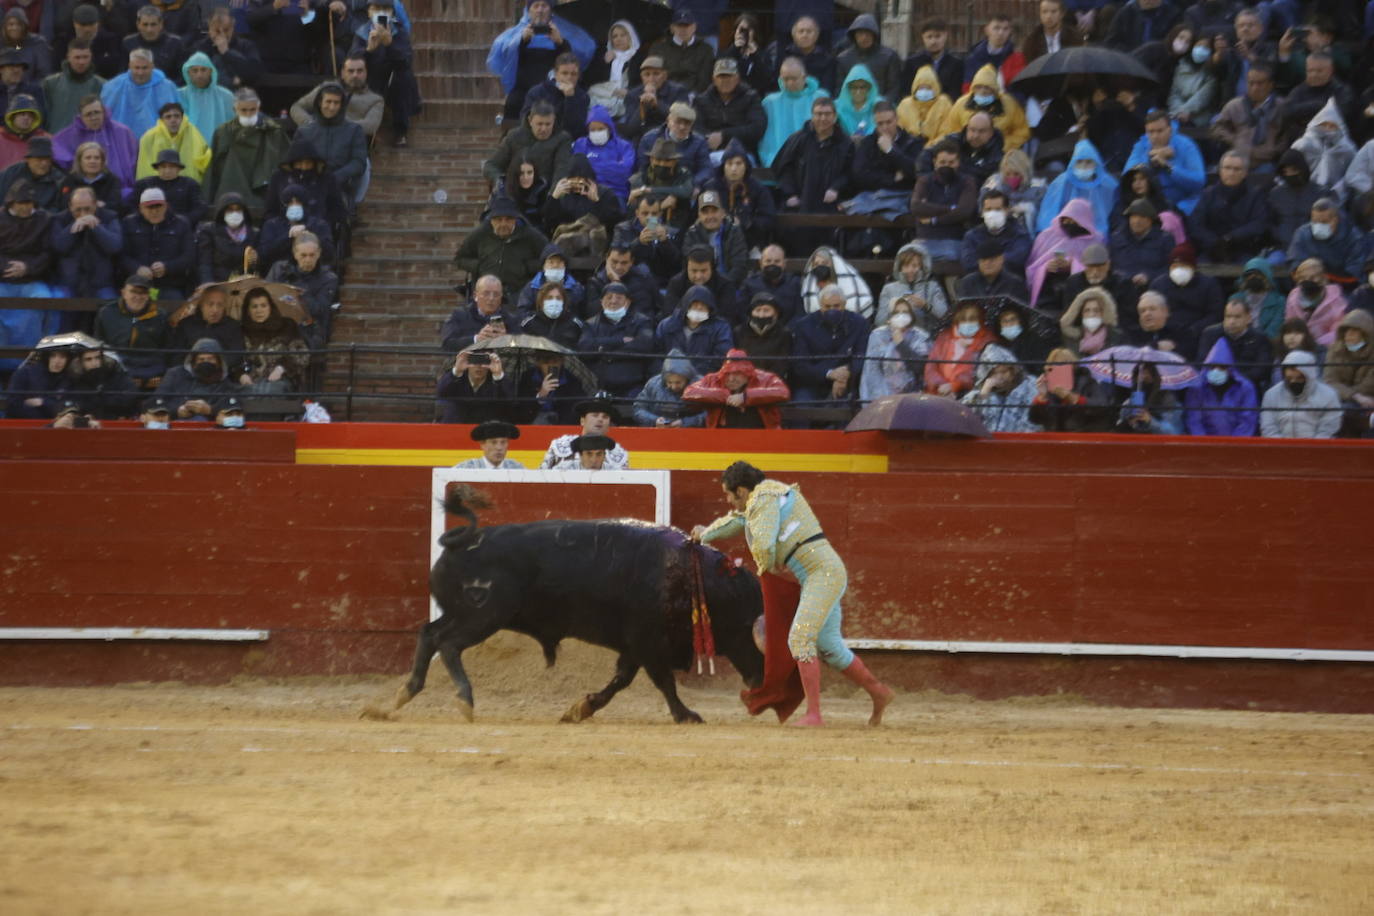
[{"x": 671, "y": 461}]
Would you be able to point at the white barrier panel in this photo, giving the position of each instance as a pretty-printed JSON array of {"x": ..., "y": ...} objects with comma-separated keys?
[
  {"x": 1110, "y": 649},
  {"x": 112, "y": 633}
]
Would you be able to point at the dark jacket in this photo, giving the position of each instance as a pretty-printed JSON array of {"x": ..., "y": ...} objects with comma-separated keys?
[
  {"x": 1133, "y": 26},
  {"x": 459, "y": 402},
  {"x": 323, "y": 196},
  {"x": 949, "y": 71},
  {"x": 1252, "y": 352},
  {"x": 706, "y": 346},
  {"x": 1092, "y": 411},
  {"x": 571, "y": 207},
  {"x": 689, "y": 65},
  {"x": 726, "y": 305},
  {"x": 570, "y": 112},
  {"x": 33, "y": 380},
  {"x": 47, "y": 189},
  {"x": 240, "y": 64},
  {"x": 1290, "y": 206},
  {"x": 623, "y": 349},
  {"x": 106, "y": 393},
  {"x": 662, "y": 258},
  {"x": 695, "y": 155},
  {"x": 979, "y": 164},
  {"x": 1194, "y": 306},
  {"x": 561, "y": 406},
  {"x": 974, "y": 286},
  {"x": 1148, "y": 255},
  {"x": 340, "y": 142},
  {"x": 551, "y": 157},
  {"x": 1119, "y": 285},
  {"x": 1015, "y": 241},
  {"x": 319, "y": 290},
  {"x": 464, "y": 322},
  {"x": 806, "y": 167},
  {"x": 787, "y": 291},
  {"x": 770, "y": 350},
  {"x": 108, "y": 191},
  {"x": 183, "y": 196},
  {"x": 513, "y": 259},
  {"x": 218, "y": 255},
  {"x": 86, "y": 259},
  {"x": 169, "y": 50},
  {"x": 639, "y": 281},
  {"x": 1230, "y": 224},
  {"x": 180, "y": 384},
  {"x": 739, "y": 118},
  {"x": 951, "y": 204},
  {"x": 875, "y": 170},
  {"x": 133, "y": 335},
  {"x": 819, "y": 62},
  {"x": 26, "y": 240},
  {"x": 822, "y": 345},
  {"x": 227, "y": 332},
  {"x": 884, "y": 63},
  {"x": 170, "y": 241},
  {"x": 565, "y": 330},
  {"x": 633, "y": 124},
  {"x": 749, "y": 203},
  {"x": 733, "y": 250}
]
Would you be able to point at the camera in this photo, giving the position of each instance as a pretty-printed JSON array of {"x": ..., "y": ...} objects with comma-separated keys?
[
  {"x": 382, "y": 21},
  {"x": 479, "y": 359},
  {"x": 540, "y": 29}
]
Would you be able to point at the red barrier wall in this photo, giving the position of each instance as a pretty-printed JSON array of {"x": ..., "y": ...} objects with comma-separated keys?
[{"x": 1017, "y": 539}]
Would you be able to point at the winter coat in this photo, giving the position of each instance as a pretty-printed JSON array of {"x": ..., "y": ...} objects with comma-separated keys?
[
  {"x": 340, "y": 142},
  {"x": 1291, "y": 207},
  {"x": 218, "y": 255},
  {"x": 1183, "y": 180},
  {"x": 463, "y": 323},
  {"x": 169, "y": 50},
  {"x": 875, "y": 170},
  {"x": 655, "y": 401},
  {"x": 1266, "y": 308},
  {"x": 1071, "y": 323},
  {"x": 883, "y": 62},
  {"x": 63, "y": 92},
  {"x": 1313, "y": 414},
  {"x": 727, "y": 243},
  {"x": 460, "y": 402},
  {"x": 1132, "y": 26},
  {"x": 86, "y": 259},
  {"x": 575, "y": 300},
  {"x": 183, "y": 196},
  {"x": 1134, "y": 255},
  {"x": 857, "y": 296},
  {"x": 33, "y": 380},
  {"x": 565, "y": 330},
  {"x": 661, "y": 257},
  {"x": 551, "y": 157},
  {"x": 1234, "y": 128},
  {"x": 707, "y": 345},
  {"x": 1100, "y": 191},
  {"x": 925, "y": 285},
  {"x": 674, "y": 187},
  {"x": 1230, "y": 223},
  {"x": 276, "y": 342},
  {"x": 976, "y": 286},
  {"x": 108, "y": 191},
  {"x": 1194, "y": 306},
  {"x": 1195, "y": 92},
  {"x": 180, "y": 384},
  {"x": 569, "y": 112},
  {"x": 26, "y": 240},
  {"x": 1351, "y": 372},
  {"x": 322, "y": 195},
  {"x": 787, "y": 292},
  {"x": 606, "y": 209},
  {"x": 924, "y": 119},
  {"x": 689, "y": 64},
  {"x": 770, "y": 349},
  {"x": 1000, "y": 412},
  {"x": 47, "y": 189},
  {"x": 1013, "y": 237},
  {"x": 319, "y": 290},
  {"x": 762, "y": 393},
  {"x": 612, "y": 163},
  {"x": 240, "y": 63},
  {"x": 819, "y": 62},
  {"x": 108, "y": 393},
  {"x": 1089, "y": 411},
  {"x": 1322, "y": 318},
  {"x": 1343, "y": 254},
  {"x": 513, "y": 259},
  {"x": 364, "y": 108},
  {"x": 1230, "y": 410},
  {"x": 1007, "y": 114},
  {"x": 823, "y": 342},
  {"x": 750, "y": 204},
  {"x": 694, "y": 155},
  {"x": 132, "y": 335},
  {"x": 739, "y": 118},
  {"x": 638, "y": 280},
  {"x": 633, "y": 124},
  {"x": 621, "y": 346},
  {"x": 893, "y": 368},
  {"x": 244, "y": 161},
  {"x": 951, "y": 204},
  {"x": 226, "y": 332},
  {"x": 274, "y": 240},
  {"x": 170, "y": 241},
  {"x": 788, "y": 112}
]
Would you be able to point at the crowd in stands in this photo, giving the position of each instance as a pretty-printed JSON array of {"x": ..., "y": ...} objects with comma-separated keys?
[
  {"x": 699, "y": 220},
  {"x": 139, "y": 165}
]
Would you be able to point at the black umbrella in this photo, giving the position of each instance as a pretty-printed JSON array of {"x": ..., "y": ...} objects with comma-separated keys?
[
  {"x": 1044, "y": 77},
  {"x": 595, "y": 16},
  {"x": 926, "y": 413},
  {"x": 1036, "y": 322}
]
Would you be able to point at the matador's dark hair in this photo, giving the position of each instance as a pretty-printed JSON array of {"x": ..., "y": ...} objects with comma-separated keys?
[{"x": 742, "y": 474}]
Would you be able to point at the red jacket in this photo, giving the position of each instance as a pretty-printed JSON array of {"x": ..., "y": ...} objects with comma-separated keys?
[{"x": 763, "y": 390}]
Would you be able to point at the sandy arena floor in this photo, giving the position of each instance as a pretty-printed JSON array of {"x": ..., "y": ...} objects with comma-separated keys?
[{"x": 275, "y": 798}]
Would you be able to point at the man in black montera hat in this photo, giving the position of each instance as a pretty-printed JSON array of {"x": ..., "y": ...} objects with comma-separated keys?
[{"x": 595, "y": 417}]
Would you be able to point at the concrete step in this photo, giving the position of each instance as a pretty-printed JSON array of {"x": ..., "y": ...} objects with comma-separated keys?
[
  {"x": 385, "y": 214},
  {"x": 446, "y": 84},
  {"x": 367, "y": 267},
  {"x": 378, "y": 239}
]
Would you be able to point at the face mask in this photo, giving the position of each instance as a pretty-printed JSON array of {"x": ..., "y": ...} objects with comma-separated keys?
[
  {"x": 157, "y": 424},
  {"x": 1311, "y": 289},
  {"x": 206, "y": 372},
  {"x": 1180, "y": 47},
  {"x": 762, "y": 325},
  {"x": 1011, "y": 331},
  {"x": 1322, "y": 231},
  {"x": 1092, "y": 323},
  {"x": 1295, "y": 387},
  {"x": 832, "y": 317},
  {"x": 1012, "y": 181},
  {"x": 1255, "y": 285},
  {"x": 822, "y": 273},
  {"x": 983, "y": 99},
  {"x": 599, "y": 137},
  {"x": 968, "y": 328},
  {"x": 1217, "y": 377},
  {"x": 1293, "y": 181},
  {"x": 233, "y": 219},
  {"x": 295, "y": 213},
  {"x": 946, "y": 173},
  {"x": 233, "y": 422},
  {"x": 615, "y": 314},
  {"x": 772, "y": 273},
  {"x": 1180, "y": 275},
  {"x": 995, "y": 219},
  {"x": 553, "y": 307},
  {"x": 1355, "y": 347},
  {"x": 900, "y": 320},
  {"x": 1084, "y": 172},
  {"x": 1074, "y": 230},
  {"x": 554, "y": 274},
  {"x": 697, "y": 316},
  {"x": 245, "y": 121},
  {"x": 925, "y": 94},
  {"x": 1200, "y": 54}
]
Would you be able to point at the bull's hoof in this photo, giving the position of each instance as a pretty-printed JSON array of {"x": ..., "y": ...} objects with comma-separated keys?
[
  {"x": 580, "y": 710},
  {"x": 689, "y": 718},
  {"x": 403, "y": 696},
  {"x": 374, "y": 714},
  {"x": 465, "y": 710}
]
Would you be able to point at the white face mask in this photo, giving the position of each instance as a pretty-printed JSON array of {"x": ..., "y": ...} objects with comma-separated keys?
[
  {"x": 246, "y": 121},
  {"x": 1091, "y": 323},
  {"x": 1217, "y": 377},
  {"x": 1322, "y": 231},
  {"x": 614, "y": 314},
  {"x": 994, "y": 219},
  {"x": 554, "y": 274},
  {"x": 925, "y": 95},
  {"x": 899, "y": 320},
  {"x": 234, "y": 421},
  {"x": 157, "y": 424},
  {"x": 697, "y": 316},
  {"x": 1355, "y": 347},
  {"x": 1181, "y": 275},
  {"x": 1011, "y": 331},
  {"x": 233, "y": 219},
  {"x": 599, "y": 137},
  {"x": 295, "y": 213},
  {"x": 967, "y": 328},
  {"x": 553, "y": 307},
  {"x": 1180, "y": 46}
]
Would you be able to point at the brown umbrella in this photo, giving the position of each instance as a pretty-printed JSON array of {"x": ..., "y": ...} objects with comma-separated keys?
[
  {"x": 519, "y": 351},
  {"x": 287, "y": 299}
]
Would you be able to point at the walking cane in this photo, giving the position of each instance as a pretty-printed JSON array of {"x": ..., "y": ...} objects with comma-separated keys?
[{"x": 333, "y": 52}]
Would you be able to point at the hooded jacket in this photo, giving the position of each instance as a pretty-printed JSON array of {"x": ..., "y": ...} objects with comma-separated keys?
[
  {"x": 1054, "y": 238},
  {"x": 189, "y": 144},
  {"x": 1007, "y": 114},
  {"x": 787, "y": 112},
  {"x": 924, "y": 119},
  {"x": 363, "y": 107},
  {"x": 244, "y": 160},
  {"x": 750, "y": 204},
  {"x": 575, "y": 294},
  {"x": 277, "y": 341},
  {"x": 181, "y": 384},
  {"x": 33, "y": 380},
  {"x": 86, "y": 259},
  {"x": 1328, "y": 157},
  {"x": 14, "y": 144},
  {"x": 323, "y": 197},
  {"x": 853, "y": 119},
  {"x": 606, "y": 209},
  {"x": 1071, "y": 322},
  {"x": 858, "y": 298},
  {"x": 763, "y": 392},
  {"x": 47, "y": 189},
  {"x": 893, "y": 367},
  {"x": 707, "y": 344},
  {"x": 1313, "y": 414},
  {"x": 924, "y": 285},
  {"x": 118, "y": 142},
  {"x": 1000, "y": 412},
  {"x": 1187, "y": 172},
  {"x": 136, "y": 106},
  {"x": 621, "y": 349},
  {"x": 26, "y": 240},
  {"x": 63, "y": 92},
  {"x": 1351, "y": 372},
  {"x": 612, "y": 163},
  {"x": 339, "y": 142},
  {"x": 107, "y": 392},
  {"x": 1228, "y": 410},
  {"x": 656, "y": 402},
  {"x": 1266, "y": 308},
  {"x": 274, "y": 239},
  {"x": 218, "y": 255},
  {"x": 881, "y": 61},
  {"x": 1100, "y": 190},
  {"x": 1291, "y": 206},
  {"x": 206, "y": 108}
]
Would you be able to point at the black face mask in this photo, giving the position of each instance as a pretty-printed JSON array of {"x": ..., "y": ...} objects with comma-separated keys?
[
  {"x": 1311, "y": 288},
  {"x": 946, "y": 173},
  {"x": 822, "y": 273},
  {"x": 1295, "y": 387},
  {"x": 762, "y": 325},
  {"x": 1255, "y": 285},
  {"x": 772, "y": 273},
  {"x": 95, "y": 375},
  {"x": 1295, "y": 181},
  {"x": 1073, "y": 229},
  {"x": 832, "y": 317},
  {"x": 206, "y": 372}
]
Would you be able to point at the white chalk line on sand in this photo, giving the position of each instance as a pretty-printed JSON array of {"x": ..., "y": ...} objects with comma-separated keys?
[{"x": 680, "y": 754}]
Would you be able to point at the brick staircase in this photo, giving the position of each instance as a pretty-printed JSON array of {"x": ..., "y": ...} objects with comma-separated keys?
[{"x": 398, "y": 284}]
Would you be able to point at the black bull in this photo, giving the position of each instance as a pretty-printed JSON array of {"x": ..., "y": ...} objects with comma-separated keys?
[{"x": 623, "y": 584}]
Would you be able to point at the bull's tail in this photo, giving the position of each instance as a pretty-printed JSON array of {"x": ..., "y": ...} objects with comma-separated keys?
[{"x": 460, "y": 501}]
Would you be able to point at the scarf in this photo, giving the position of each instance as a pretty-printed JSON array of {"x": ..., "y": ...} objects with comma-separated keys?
[{"x": 622, "y": 58}]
